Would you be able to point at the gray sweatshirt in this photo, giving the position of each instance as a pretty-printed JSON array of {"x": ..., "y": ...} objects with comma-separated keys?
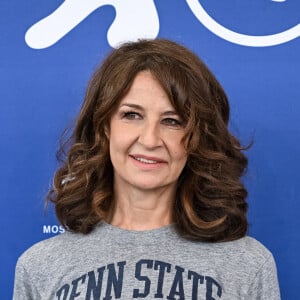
[{"x": 113, "y": 263}]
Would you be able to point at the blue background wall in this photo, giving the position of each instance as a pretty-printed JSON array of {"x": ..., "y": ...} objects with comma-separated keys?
[{"x": 42, "y": 90}]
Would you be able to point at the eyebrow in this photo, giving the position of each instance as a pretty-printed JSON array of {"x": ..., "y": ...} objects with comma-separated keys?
[
  {"x": 133, "y": 106},
  {"x": 136, "y": 106}
]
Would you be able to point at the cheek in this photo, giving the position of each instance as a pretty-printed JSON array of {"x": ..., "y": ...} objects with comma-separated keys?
[
  {"x": 116, "y": 132},
  {"x": 177, "y": 145},
  {"x": 121, "y": 138},
  {"x": 115, "y": 140},
  {"x": 178, "y": 152}
]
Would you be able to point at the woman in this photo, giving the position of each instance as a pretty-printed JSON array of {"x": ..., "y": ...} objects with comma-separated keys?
[{"x": 150, "y": 191}]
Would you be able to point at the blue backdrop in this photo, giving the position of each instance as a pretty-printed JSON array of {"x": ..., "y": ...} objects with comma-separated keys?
[{"x": 49, "y": 49}]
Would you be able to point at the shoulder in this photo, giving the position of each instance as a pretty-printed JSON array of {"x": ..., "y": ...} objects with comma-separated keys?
[
  {"x": 250, "y": 259},
  {"x": 259, "y": 260},
  {"x": 46, "y": 250},
  {"x": 59, "y": 249},
  {"x": 247, "y": 253},
  {"x": 249, "y": 246},
  {"x": 245, "y": 246},
  {"x": 249, "y": 249}
]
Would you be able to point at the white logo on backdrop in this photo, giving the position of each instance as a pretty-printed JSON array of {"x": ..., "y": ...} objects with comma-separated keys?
[
  {"x": 238, "y": 38},
  {"x": 137, "y": 19},
  {"x": 134, "y": 19}
]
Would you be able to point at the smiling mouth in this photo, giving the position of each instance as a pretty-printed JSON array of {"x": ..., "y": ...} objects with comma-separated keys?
[{"x": 147, "y": 160}]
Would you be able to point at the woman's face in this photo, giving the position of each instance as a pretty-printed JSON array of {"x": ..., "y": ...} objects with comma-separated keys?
[{"x": 146, "y": 147}]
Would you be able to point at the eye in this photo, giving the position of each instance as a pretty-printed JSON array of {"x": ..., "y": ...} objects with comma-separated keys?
[
  {"x": 131, "y": 115},
  {"x": 172, "y": 122}
]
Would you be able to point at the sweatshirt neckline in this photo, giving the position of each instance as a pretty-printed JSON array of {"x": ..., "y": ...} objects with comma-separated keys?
[{"x": 118, "y": 233}]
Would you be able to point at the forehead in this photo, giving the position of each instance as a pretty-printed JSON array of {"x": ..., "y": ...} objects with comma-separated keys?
[{"x": 146, "y": 91}]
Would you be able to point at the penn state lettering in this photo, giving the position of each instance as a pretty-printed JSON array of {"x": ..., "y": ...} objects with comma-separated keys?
[
  {"x": 153, "y": 279},
  {"x": 94, "y": 286}
]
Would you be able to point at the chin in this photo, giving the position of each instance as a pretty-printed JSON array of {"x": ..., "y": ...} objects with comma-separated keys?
[
  {"x": 147, "y": 186},
  {"x": 150, "y": 185}
]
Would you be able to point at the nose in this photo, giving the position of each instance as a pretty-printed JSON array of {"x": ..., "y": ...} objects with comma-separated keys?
[{"x": 150, "y": 136}]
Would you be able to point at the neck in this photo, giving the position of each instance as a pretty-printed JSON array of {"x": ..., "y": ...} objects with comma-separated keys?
[{"x": 143, "y": 210}]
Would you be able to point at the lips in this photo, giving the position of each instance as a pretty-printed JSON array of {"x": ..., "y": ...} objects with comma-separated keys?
[{"x": 147, "y": 159}]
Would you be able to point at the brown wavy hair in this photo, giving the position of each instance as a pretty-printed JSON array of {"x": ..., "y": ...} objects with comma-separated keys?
[{"x": 210, "y": 202}]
